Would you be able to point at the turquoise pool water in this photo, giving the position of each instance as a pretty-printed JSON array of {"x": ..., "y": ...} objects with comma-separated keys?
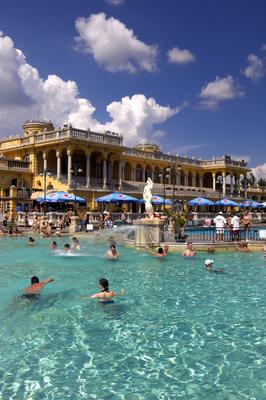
[{"x": 179, "y": 333}]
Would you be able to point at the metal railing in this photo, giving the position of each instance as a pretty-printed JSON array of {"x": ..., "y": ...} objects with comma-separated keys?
[{"x": 211, "y": 235}]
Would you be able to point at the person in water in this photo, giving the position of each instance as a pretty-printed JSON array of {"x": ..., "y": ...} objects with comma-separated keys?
[
  {"x": 67, "y": 248},
  {"x": 208, "y": 267},
  {"x": 189, "y": 251},
  {"x": 161, "y": 252},
  {"x": 31, "y": 241},
  {"x": 113, "y": 253},
  {"x": 105, "y": 295},
  {"x": 54, "y": 245},
  {"x": 75, "y": 244},
  {"x": 32, "y": 292}
]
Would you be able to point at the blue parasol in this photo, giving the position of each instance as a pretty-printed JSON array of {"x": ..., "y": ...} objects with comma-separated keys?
[
  {"x": 250, "y": 203},
  {"x": 226, "y": 202},
  {"x": 60, "y": 197},
  {"x": 200, "y": 201},
  {"x": 115, "y": 197},
  {"x": 158, "y": 200}
]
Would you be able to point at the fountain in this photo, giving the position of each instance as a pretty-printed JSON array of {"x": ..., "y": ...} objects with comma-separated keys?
[{"x": 149, "y": 230}]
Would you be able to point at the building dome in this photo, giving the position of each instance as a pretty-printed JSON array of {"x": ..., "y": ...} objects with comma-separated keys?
[
  {"x": 32, "y": 127},
  {"x": 148, "y": 148}
]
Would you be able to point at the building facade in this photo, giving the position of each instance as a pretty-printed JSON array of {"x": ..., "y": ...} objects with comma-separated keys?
[{"x": 94, "y": 164}]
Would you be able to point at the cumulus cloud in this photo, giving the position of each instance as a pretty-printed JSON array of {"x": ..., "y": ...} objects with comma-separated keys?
[
  {"x": 221, "y": 89},
  {"x": 113, "y": 46},
  {"x": 178, "y": 56},
  {"x": 260, "y": 171},
  {"x": 255, "y": 69},
  {"x": 136, "y": 116},
  {"x": 115, "y": 2},
  {"x": 28, "y": 95}
]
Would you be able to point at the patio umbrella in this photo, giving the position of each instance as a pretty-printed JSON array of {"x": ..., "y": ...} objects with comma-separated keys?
[
  {"x": 250, "y": 203},
  {"x": 61, "y": 197},
  {"x": 264, "y": 204},
  {"x": 226, "y": 202},
  {"x": 115, "y": 197},
  {"x": 200, "y": 201},
  {"x": 159, "y": 200}
]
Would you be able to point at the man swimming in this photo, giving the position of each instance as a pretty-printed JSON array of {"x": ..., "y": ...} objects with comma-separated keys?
[
  {"x": 67, "y": 248},
  {"x": 208, "y": 267},
  {"x": 189, "y": 252},
  {"x": 75, "y": 244},
  {"x": 105, "y": 295},
  {"x": 113, "y": 253},
  {"x": 31, "y": 241},
  {"x": 54, "y": 245},
  {"x": 32, "y": 292},
  {"x": 161, "y": 252}
]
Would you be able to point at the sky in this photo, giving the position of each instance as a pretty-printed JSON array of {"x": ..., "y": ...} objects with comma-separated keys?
[{"x": 188, "y": 75}]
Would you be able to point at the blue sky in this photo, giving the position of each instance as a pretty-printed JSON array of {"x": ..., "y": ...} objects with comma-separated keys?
[{"x": 202, "y": 62}]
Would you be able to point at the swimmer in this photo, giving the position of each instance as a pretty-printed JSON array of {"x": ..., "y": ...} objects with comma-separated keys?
[
  {"x": 161, "y": 252},
  {"x": 105, "y": 295},
  {"x": 67, "y": 248},
  {"x": 189, "y": 252},
  {"x": 242, "y": 247},
  {"x": 208, "y": 267},
  {"x": 113, "y": 253},
  {"x": 32, "y": 292},
  {"x": 75, "y": 244},
  {"x": 31, "y": 241},
  {"x": 54, "y": 245}
]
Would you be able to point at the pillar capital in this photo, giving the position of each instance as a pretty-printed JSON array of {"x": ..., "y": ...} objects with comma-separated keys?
[
  {"x": 58, "y": 153},
  {"x": 69, "y": 152}
]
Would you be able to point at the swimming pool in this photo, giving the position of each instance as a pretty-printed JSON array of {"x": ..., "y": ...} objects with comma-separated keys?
[{"x": 179, "y": 333}]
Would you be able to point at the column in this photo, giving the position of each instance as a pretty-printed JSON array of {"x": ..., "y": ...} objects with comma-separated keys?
[
  {"x": 88, "y": 171},
  {"x": 231, "y": 184},
  {"x": 185, "y": 180},
  {"x": 245, "y": 186},
  {"x": 178, "y": 178},
  {"x": 152, "y": 175},
  {"x": 238, "y": 185},
  {"x": 69, "y": 167},
  {"x": 120, "y": 166},
  {"x": 224, "y": 183},
  {"x": 104, "y": 174},
  {"x": 201, "y": 180},
  {"x": 144, "y": 174},
  {"x": 110, "y": 171},
  {"x": 58, "y": 169},
  {"x": 44, "y": 162},
  {"x": 193, "y": 180},
  {"x": 161, "y": 177},
  {"x": 132, "y": 174},
  {"x": 214, "y": 181}
]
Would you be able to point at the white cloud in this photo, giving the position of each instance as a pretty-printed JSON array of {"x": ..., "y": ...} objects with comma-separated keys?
[
  {"x": 255, "y": 69},
  {"x": 115, "y": 2},
  {"x": 178, "y": 56},
  {"x": 260, "y": 171},
  {"x": 114, "y": 46},
  {"x": 187, "y": 148},
  {"x": 27, "y": 95},
  {"x": 136, "y": 116},
  {"x": 221, "y": 89}
]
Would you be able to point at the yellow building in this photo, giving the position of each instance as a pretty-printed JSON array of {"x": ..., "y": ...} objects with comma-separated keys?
[{"x": 103, "y": 164}]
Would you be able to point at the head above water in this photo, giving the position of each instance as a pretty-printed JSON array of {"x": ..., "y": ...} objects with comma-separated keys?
[
  {"x": 34, "y": 280},
  {"x": 208, "y": 263},
  {"x": 31, "y": 239},
  {"x": 103, "y": 283},
  {"x": 67, "y": 246},
  {"x": 160, "y": 250}
]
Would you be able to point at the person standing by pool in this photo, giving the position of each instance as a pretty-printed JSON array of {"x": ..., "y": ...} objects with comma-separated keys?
[
  {"x": 220, "y": 222},
  {"x": 105, "y": 295},
  {"x": 189, "y": 251},
  {"x": 235, "y": 223},
  {"x": 32, "y": 292},
  {"x": 246, "y": 221}
]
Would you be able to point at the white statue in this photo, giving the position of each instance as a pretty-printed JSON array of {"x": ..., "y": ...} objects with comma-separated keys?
[{"x": 147, "y": 196}]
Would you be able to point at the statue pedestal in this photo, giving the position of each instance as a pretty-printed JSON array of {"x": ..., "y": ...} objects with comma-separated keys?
[
  {"x": 73, "y": 227},
  {"x": 149, "y": 231}
]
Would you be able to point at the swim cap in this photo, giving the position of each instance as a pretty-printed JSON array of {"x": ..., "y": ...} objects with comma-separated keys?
[{"x": 208, "y": 262}]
